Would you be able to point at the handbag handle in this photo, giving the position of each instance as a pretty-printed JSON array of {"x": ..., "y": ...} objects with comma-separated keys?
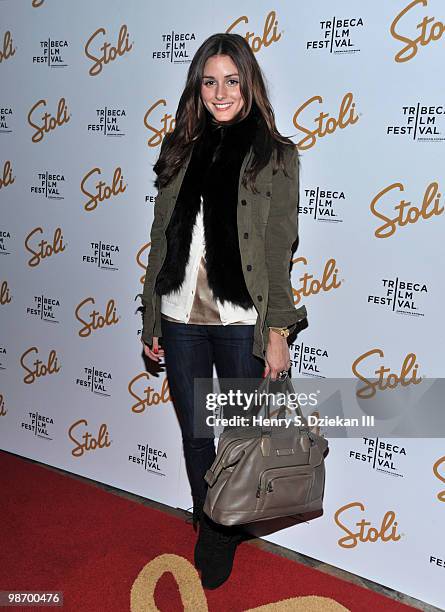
[{"x": 265, "y": 386}]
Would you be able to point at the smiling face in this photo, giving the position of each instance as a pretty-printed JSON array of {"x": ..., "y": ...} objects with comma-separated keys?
[{"x": 220, "y": 89}]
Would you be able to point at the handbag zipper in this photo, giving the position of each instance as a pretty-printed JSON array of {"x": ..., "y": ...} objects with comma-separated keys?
[
  {"x": 259, "y": 489},
  {"x": 269, "y": 486},
  {"x": 268, "y": 489}
]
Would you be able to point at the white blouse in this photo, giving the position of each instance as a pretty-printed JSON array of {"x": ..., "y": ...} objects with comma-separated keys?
[{"x": 178, "y": 304}]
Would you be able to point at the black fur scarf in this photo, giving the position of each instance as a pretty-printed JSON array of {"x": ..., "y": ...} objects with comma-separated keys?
[{"x": 213, "y": 171}]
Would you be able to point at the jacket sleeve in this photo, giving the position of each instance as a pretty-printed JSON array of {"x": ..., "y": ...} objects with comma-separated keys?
[
  {"x": 147, "y": 296},
  {"x": 156, "y": 235},
  {"x": 281, "y": 233}
]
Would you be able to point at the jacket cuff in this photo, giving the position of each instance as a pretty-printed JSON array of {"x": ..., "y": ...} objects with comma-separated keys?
[
  {"x": 285, "y": 318},
  {"x": 147, "y": 325}
]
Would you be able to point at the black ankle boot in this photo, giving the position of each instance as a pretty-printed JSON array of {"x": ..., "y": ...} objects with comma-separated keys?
[
  {"x": 203, "y": 543},
  {"x": 218, "y": 546}
]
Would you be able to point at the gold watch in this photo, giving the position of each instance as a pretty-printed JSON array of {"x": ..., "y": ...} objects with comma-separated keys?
[{"x": 283, "y": 331}]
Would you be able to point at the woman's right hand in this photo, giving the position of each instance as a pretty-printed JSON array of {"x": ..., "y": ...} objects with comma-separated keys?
[{"x": 155, "y": 352}]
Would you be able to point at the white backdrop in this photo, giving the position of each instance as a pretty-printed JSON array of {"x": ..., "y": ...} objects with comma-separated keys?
[{"x": 88, "y": 91}]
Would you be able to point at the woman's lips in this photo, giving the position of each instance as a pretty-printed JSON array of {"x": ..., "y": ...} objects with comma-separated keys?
[{"x": 223, "y": 108}]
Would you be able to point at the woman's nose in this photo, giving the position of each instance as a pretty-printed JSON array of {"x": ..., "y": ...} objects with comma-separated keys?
[{"x": 221, "y": 90}]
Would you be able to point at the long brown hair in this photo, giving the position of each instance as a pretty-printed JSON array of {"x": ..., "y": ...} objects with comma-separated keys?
[{"x": 190, "y": 119}]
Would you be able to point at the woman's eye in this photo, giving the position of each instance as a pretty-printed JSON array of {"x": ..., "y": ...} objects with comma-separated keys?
[{"x": 233, "y": 81}]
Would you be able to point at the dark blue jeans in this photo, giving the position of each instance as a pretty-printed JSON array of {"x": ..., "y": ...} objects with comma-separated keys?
[{"x": 190, "y": 352}]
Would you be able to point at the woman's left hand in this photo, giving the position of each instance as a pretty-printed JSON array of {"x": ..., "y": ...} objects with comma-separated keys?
[{"x": 277, "y": 355}]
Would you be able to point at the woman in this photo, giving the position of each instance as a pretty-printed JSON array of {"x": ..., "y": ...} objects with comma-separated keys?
[{"x": 217, "y": 290}]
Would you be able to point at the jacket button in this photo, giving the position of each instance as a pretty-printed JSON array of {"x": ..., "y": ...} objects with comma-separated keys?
[
  {"x": 268, "y": 194},
  {"x": 249, "y": 267},
  {"x": 246, "y": 235},
  {"x": 260, "y": 298},
  {"x": 243, "y": 202}
]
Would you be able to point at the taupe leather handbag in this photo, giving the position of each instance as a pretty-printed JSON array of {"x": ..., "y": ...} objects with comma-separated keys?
[{"x": 267, "y": 471}]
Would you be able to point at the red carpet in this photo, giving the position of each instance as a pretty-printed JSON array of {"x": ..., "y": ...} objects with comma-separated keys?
[{"x": 108, "y": 554}]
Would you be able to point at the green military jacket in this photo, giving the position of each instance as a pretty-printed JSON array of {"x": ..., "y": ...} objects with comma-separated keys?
[{"x": 267, "y": 228}]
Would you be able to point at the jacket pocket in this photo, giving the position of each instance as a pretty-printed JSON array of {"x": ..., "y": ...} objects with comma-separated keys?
[{"x": 261, "y": 206}]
